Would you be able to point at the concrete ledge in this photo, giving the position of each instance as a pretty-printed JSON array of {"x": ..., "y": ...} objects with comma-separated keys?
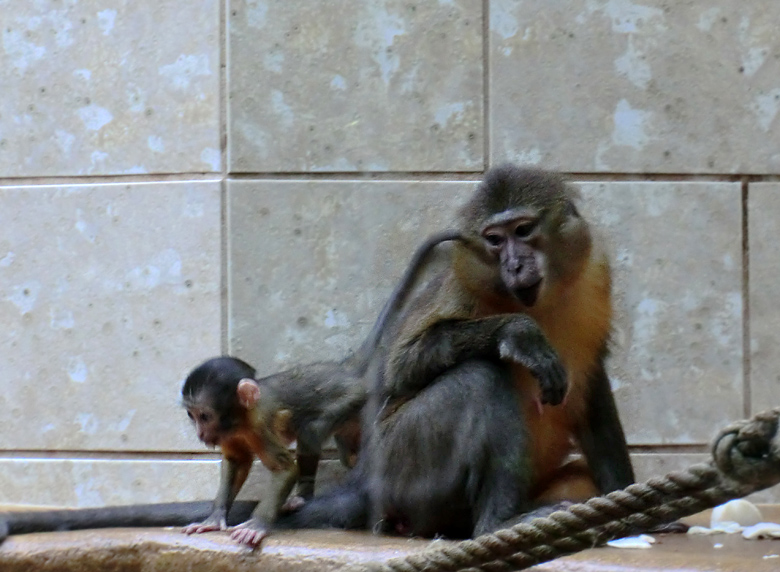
[
  {"x": 157, "y": 550},
  {"x": 168, "y": 550}
]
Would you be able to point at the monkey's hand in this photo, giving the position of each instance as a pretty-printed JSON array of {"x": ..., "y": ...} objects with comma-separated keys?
[
  {"x": 522, "y": 342},
  {"x": 252, "y": 532},
  {"x": 217, "y": 521}
]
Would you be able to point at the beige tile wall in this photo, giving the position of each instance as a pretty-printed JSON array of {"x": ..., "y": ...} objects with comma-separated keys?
[
  {"x": 335, "y": 75},
  {"x": 130, "y": 250},
  {"x": 627, "y": 87},
  {"x": 107, "y": 88}
]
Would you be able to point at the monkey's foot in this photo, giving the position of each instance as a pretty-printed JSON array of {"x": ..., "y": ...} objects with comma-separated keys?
[
  {"x": 208, "y": 525},
  {"x": 252, "y": 532},
  {"x": 293, "y": 504}
]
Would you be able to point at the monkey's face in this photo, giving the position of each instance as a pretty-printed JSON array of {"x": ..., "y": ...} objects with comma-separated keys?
[
  {"x": 512, "y": 238},
  {"x": 207, "y": 423},
  {"x": 533, "y": 247}
]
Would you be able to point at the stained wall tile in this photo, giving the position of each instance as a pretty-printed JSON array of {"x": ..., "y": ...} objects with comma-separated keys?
[
  {"x": 355, "y": 86},
  {"x": 763, "y": 230},
  {"x": 82, "y": 483},
  {"x": 616, "y": 86},
  {"x": 311, "y": 263},
  {"x": 647, "y": 465},
  {"x": 676, "y": 362},
  {"x": 109, "y": 294},
  {"x": 98, "y": 88}
]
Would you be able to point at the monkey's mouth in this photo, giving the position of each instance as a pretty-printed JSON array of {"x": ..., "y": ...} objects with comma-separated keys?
[{"x": 529, "y": 294}]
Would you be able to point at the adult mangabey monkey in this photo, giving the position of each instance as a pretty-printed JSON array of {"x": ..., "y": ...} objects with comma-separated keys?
[
  {"x": 251, "y": 418},
  {"x": 496, "y": 370},
  {"x": 530, "y": 284}
]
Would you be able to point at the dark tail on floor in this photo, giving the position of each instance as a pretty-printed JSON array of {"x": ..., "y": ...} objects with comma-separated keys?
[{"x": 138, "y": 515}]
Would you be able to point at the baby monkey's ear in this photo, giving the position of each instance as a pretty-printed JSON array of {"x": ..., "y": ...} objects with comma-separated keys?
[{"x": 248, "y": 393}]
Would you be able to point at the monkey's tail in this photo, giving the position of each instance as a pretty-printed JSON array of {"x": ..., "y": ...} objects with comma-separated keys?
[
  {"x": 344, "y": 507},
  {"x": 365, "y": 352},
  {"x": 140, "y": 515}
]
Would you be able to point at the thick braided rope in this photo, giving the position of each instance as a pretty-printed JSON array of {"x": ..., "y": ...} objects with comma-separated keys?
[{"x": 746, "y": 459}]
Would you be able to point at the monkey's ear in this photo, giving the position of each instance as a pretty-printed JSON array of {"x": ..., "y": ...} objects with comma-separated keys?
[{"x": 248, "y": 393}]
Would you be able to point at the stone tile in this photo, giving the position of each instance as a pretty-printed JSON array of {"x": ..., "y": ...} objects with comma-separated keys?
[
  {"x": 81, "y": 483},
  {"x": 677, "y": 356},
  {"x": 649, "y": 465},
  {"x": 650, "y": 87},
  {"x": 763, "y": 230},
  {"x": 98, "y": 482},
  {"x": 109, "y": 87},
  {"x": 109, "y": 295},
  {"x": 355, "y": 86},
  {"x": 311, "y": 263}
]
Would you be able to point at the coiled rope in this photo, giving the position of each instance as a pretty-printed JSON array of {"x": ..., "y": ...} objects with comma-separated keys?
[{"x": 746, "y": 459}]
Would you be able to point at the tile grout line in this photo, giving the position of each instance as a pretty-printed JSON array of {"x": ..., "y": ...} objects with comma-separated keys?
[
  {"x": 379, "y": 176},
  {"x": 486, "y": 83},
  {"x": 746, "y": 361},
  {"x": 223, "y": 140}
]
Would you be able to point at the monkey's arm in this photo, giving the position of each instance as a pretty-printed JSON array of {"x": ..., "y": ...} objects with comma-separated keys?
[
  {"x": 602, "y": 439},
  {"x": 510, "y": 337},
  {"x": 233, "y": 474},
  {"x": 253, "y": 531}
]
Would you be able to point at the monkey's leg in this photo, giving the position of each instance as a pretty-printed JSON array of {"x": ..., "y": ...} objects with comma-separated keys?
[
  {"x": 510, "y": 337},
  {"x": 454, "y": 458},
  {"x": 602, "y": 439},
  {"x": 232, "y": 478},
  {"x": 504, "y": 489},
  {"x": 253, "y": 531}
]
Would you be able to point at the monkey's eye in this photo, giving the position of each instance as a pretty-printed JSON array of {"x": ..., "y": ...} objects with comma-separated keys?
[
  {"x": 524, "y": 230},
  {"x": 204, "y": 417},
  {"x": 190, "y": 416},
  {"x": 494, "y": 239}
]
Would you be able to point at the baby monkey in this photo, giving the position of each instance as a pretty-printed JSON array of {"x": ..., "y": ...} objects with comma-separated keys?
[{"x": 248, "y": 418}]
